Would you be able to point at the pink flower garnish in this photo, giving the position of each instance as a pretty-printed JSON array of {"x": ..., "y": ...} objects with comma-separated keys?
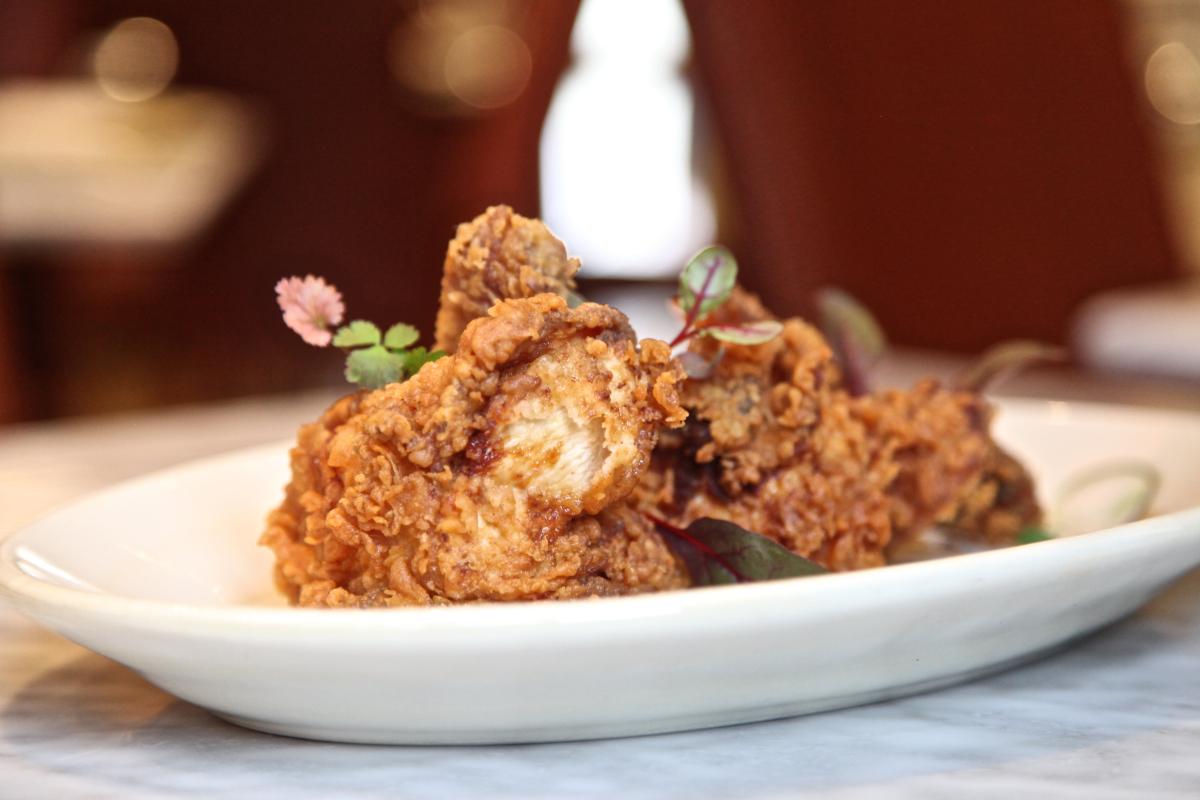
[{"x": 310, "y": 307}]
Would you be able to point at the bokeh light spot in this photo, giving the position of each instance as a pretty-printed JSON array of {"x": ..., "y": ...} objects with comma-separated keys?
[
  {"x": 136, "y": 59},
  {"x": 488, "y": 66},
  {"x": 1173, "y": 83}
]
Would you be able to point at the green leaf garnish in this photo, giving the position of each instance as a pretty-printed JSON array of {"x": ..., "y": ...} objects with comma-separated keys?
[
  {"x": 758, "y": 332},
  {"x": 719, "y": 552},
  {"x": 1033, "y": 533},
  {"x": 358, "y": 333},
  {"x": 854, "y": 335},
  {"x": 400, "y": 336},
  {"x": 707, "y": 280},
  {"x": 418, "y": 357},
  {"x": 1004, "y": 359},
  {"x": 375, "y": 366},
  {"x": 705, "y": 283},
  {"x": 310, "y": 306}
]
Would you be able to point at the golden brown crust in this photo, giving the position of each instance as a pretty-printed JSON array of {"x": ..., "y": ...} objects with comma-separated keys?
[
  {"x": 497, "y": 256},
  {"x": 939, "y": 442},
  {"x": 999, "y": 506},
  {"x": 775, "y": 444},
  {"x": 484, "y": 476},
  {"x": 520, "y": 467},
  {"x": 772, "y": 444}
]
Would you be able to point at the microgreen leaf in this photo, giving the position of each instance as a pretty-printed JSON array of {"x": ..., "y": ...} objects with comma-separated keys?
[
  {"x": 757, "y": 332},
  {"x": 1003, "y": 360},
  {"x": 400, "y": 336},
  {"x": 375, "y": 366},
  {"x": 854, "y": 335},
  {"x": 707, "y": 280},
  {"x": 417, "y": 357},
  {"x": 1033, "y": 533},
  {"x": 717, "y": 552},
  {"x": 574, "y": 299},
  {"x": 358, "y": 333}
]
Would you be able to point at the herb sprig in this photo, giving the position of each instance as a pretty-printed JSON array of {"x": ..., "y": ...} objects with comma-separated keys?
[
  {"x": 705, "y": 284},
  {"x": 1001, "y": 361},
  {"x": 716, "y": 552},
  {"x": 854, "y": 335},
  {"x": 311, "y": 307}
]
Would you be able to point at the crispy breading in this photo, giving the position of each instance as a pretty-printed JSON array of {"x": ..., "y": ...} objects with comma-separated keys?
[
  {"x": 938, "y": 440},
  {"x": 523, "y": 465},
  {"x": 1001, "y": 504},
  {"x": 499, "y": 255},
  {"x": 775, "y": 444},
  {"x": 495, "y": 473}
]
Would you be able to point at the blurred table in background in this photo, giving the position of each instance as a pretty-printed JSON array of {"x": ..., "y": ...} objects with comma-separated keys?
[
  {"x": 92, "y": 184},
  {"x": 80, "y": 167},
  {"x": 1116, "y": 716}
]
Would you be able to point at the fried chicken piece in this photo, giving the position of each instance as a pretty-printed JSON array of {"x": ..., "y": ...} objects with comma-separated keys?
[
  {"x": 1001, "y": 504},
  {"x": 495, "y": 473},
  {"x": 497, "y": 256},
  {"x": 775, "y": 444},
  {"x": 938, "y": 439},
  {"x": 772, "y": 445}
]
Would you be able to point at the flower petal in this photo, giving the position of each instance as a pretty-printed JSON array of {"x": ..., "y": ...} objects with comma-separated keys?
[{"x": 310, "y": 307}]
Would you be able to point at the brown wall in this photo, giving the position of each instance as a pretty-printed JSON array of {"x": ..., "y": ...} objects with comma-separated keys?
[{"x": 972, "y": 170}]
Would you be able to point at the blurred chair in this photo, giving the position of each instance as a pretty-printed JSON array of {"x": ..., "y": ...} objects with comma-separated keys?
[{"x": 972, "y": 171}]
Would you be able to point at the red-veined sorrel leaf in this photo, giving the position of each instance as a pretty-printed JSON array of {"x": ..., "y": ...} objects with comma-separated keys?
[
  {"x": 757, "y": 332},
  {"x": 1003, "y": 360},
  {"x": 854, "y": 335},
  {"x": 707, "y": 281},
  {"x": 716, "y": 552}
]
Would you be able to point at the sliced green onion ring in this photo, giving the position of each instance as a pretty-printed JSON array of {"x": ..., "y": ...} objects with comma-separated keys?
[{"x": 1087, "y": 501}]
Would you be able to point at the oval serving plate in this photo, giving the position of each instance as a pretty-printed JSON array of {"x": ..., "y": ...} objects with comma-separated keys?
[{"x": 163, "y": 575}]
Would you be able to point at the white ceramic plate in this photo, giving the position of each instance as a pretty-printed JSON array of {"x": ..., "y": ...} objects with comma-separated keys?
[{"x": 163, "y": 574}]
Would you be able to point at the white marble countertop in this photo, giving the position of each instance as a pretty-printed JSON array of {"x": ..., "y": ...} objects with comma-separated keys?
[{"x": 1115, "y": 716}]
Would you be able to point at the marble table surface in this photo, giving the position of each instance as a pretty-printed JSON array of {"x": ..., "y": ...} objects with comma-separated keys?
[{"x": 1115, "y": 716}]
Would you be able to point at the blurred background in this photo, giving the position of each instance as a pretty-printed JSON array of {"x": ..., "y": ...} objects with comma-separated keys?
[{"x": 972, "y": 171}]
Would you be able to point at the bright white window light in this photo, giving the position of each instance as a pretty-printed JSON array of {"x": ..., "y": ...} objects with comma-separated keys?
[{"x": 616, "y": 151}]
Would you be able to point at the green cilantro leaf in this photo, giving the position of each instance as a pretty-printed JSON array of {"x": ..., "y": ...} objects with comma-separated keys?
[
  {"x": 375, "y": 366},
  {"x": 418, "y": 357},
  {"x": 359, "y": 333},
  {"x": 400, "y": 336},
  {"x": 1033, "y": 533}
]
